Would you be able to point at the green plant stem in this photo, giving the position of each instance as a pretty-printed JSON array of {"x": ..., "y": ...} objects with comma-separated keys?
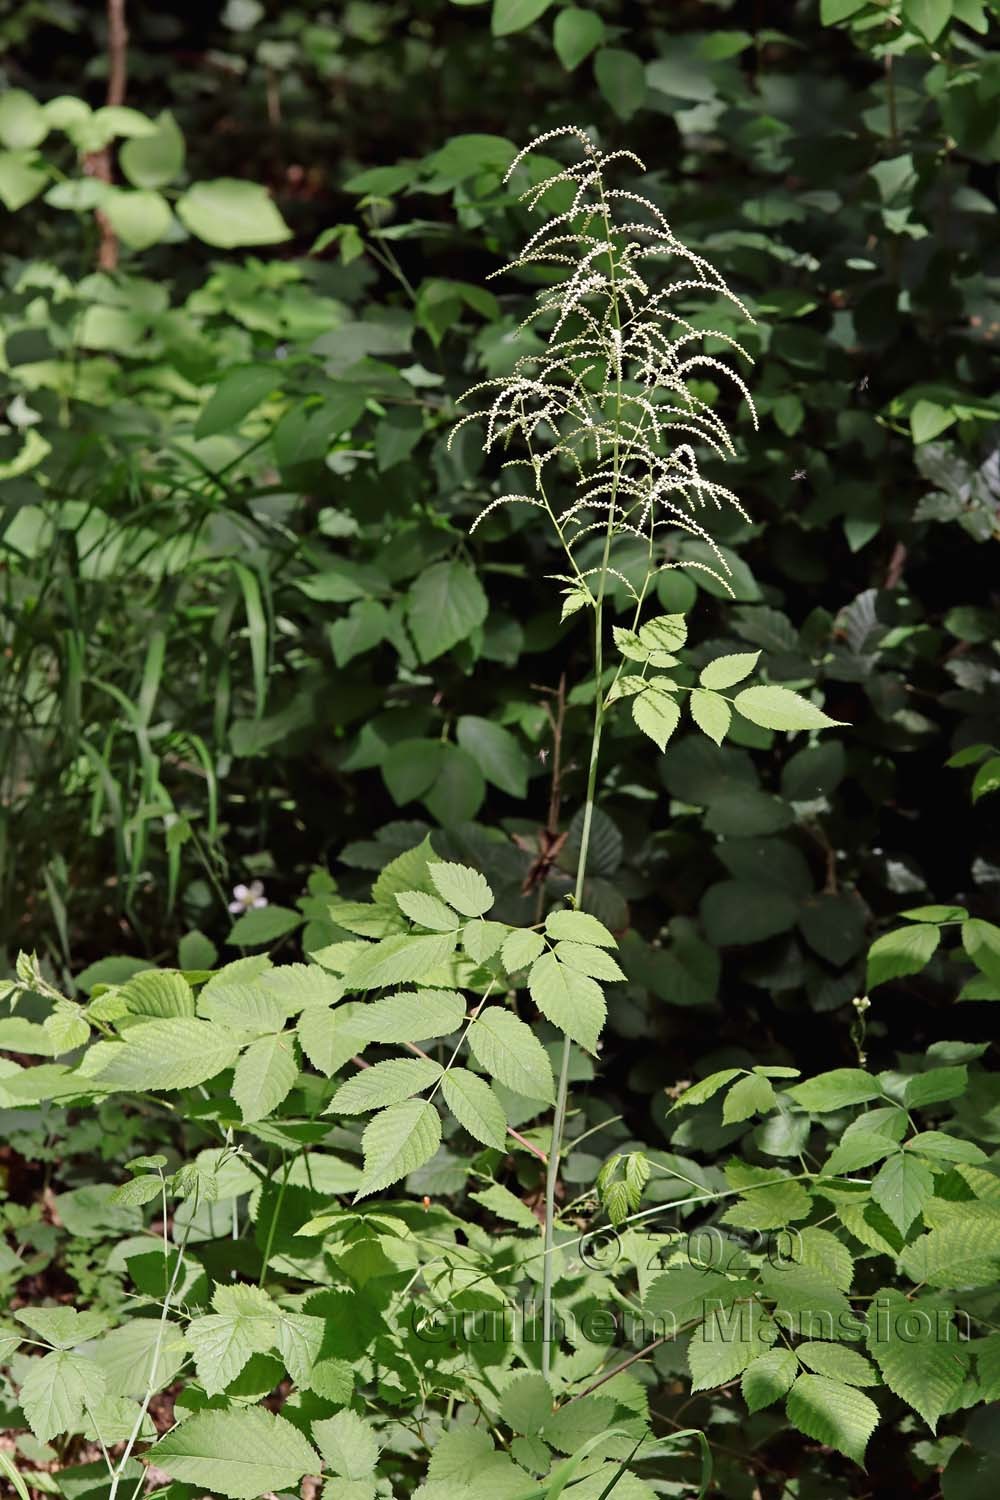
[{"x": 562, "y": 1089}]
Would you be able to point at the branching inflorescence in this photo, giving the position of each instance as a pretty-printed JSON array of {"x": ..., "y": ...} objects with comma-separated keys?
[{"x": 613, "y": 394}]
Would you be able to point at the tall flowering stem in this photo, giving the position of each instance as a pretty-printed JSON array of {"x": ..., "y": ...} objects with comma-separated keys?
[{"x": 611, "y": 420}]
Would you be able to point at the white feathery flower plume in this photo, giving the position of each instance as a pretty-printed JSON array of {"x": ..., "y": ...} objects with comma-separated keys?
[{"x": 610, "y": 394}]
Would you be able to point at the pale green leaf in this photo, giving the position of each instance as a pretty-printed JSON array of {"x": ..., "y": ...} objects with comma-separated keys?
[
  {"x": 917, "y": 1348},
  {"x": 229, "y": 212},
  {"x": 572, "y": 1001},
  {"x": 383, "y": 1084},
  {"x": 521, "y": 948},
  {"x": 475, "y": 1107},
  {"x": 427, "y": 911},
  {"x": 779, "y": 708},
  {"x": 838, "y": 1362},
  {"x": 175, "y": 1053},
  {"x": 905, "y": 951},
  {"x": 768, "y": 1378},
  {"x": 510, "y": 1052},
  {"x": 835, "y": 1090},
  {"x": 348, "y": 1444},
  {"x": 396, "y": 1142},
  {"x": 397, "y": 960},
  {"x": 506, "y": 1205},
  {"x": 238, "y": 1453},
  {"x": 410, "y": 1016},
  {"x": 526, "y": 1403},
  {"x": 751, "y": 1095},
  {"x": 481, "y": 940},
  {"x": 832, "y": 1413},
  {"x": 724, "y": 671},
  {"x": 587, "y": 959},
  {"x": 657, "y": 715},
  {"x": 463, "y": 888},
  {"x": 711, "y": 713},
  {"x": 264, "y": 1074},
  {"x": 578, "y": 927},
  {"x": 55, "y": 1391}
]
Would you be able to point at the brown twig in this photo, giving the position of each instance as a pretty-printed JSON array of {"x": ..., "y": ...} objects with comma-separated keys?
[{"x": 98, "y": 163}]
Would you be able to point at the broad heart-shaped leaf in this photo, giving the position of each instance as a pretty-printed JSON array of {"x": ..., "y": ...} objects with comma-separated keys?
[
  {"x": 918, "y": 1350},
  {"x": 575, "y": 35},
  {"x": 397, "y": 1141},
  {"x": 901, "y": 1187},
  {"x": 239, "y": 1453},
  {"x": 711, "y": 713},
  {"x": 427, "y": 911},
  {"x": 463, "y": 888},
  {"x": 570, "y": 1000},
  {"x": 928, "y": 17},
  {"x": 779, "y": 708},
  {"x": 153, "y": 161},
  {"x": 264, "y": 1074},
  {"x": 348, "y": 1444},
  {"x": 414, "y": 1016},
  {"x": 578, "y": 927},
  {"x": 229, "y": 212},
  {"x": 383, "y": 1084},
  {"x": 177, "y": 1053},
  {"x": 445, "y": 606},
  {"x": 396, "y": 960},
  {"x": 55, "y": 1391},
  {"x": 833, "y": 1413},
  {"x": 768, "y": 1378},
  {"x": 514, "y": 15},
  {"x": 510, "y": 1052},
  {"x": 724, "y": 671},
  {"x": 905, "y": 951},
  {"x": 656, "y": 714},
  {"x": 475, "y": 1106},
  {"x": 496, "y": 752},
  {"x": 62, "y": 1327},
  {"x": 223, "y": 1342}
]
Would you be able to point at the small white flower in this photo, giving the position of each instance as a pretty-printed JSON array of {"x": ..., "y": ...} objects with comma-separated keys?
[{"x": 248, "y": 897}]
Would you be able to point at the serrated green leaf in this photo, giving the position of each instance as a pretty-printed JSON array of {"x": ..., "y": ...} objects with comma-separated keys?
[
  {"x": 835, "y": 1090},
  {"x": 265, "y": 1073},
  {"x": 398, "y": 960},
  {"x": 475, "y": 1107},
  {"x": 463, "y": 888},
  {"x": 859, "y": 1149},
  {"x": 526, "y": 1403},
  {"x": 981, "y": 941},
  {"x": 935, "y": 1086},
  {"x": 964, "y": 1252},
  {"x": 238, "y": 1453},
  {"x": 63, "y": 1327},
  {"x": 157, "y": 993},
  {"x": 266, "y": 925},
  {"x": 55, "y": 1391},
  {"x": 427, "y": 911},
  {"x": 383, "y": 1084},
  {"x": 837, "y": 1362},
  {"x": 578, "y": 927},
  {"x": 505, "y": 1205},
  {"x": 224, "y": 1341},
  {"x": 175, "y": 1053},
  {"x": 664, "y": 633},
  {"x": 587, "y": 959},
  {"x": 779, "y": 708},
  {"x": 510, "y": 1052},
  {"x": 941, "y": 1147},
  {"x": 724, "y": 671},
  {"x": 657, "y": 715},
  {"x": 705, "y": 1088},
  {"x": 410, "y": 1016},
  {"x": 521, "y": 949},
  {"x": 832, "y": 1413},
  {"x": 825, "y": 1252},
  {"x": 396, "y": 1142},
  {"x": 711, "y": 713},
  {"x": 916, "y": 1346},
  {"x": 481, "y": 940},
  {"x": 905, "y": 951},
  {"x": 348, "y": 1444},
  {"x": 570, "y": 1000},
  {"x": 750, "y": 1096},
  {"x": 727, "y": 1342},
  {"x": 330, "y": 1038},
  {"x": 768, "y": 1378}
]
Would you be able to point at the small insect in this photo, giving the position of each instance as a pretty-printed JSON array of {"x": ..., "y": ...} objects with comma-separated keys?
[
  {"x": 862, "y": 383},
  {"x": 543, "y": 754},
  {"x": 799, "y": 474}
]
